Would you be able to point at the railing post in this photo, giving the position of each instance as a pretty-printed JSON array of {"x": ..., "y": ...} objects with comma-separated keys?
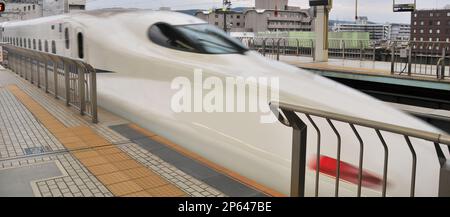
[
  {"x": 81, "y": 80},
  {"x": 409, "y": 61},
  {"x": 31, "y": 71},
  {"x": 444, "y": 179},
  {"x": 393, "y": 58},
  {"x": 55, "y": 77},
  {"x": 46, "y": 75},
  {"x": 278, "y": 49},
  {"x": 313, "y": 50},
  {"x": 298, "y": 161},
  {"x": 442, "y": 74},
  {"x": 298, "y": 46},
  {"x": 360, "y": 51},
  {"x": 343, "y": 49},
  {"x": 38, "y": 71},
  {"x": 67, "y": 82},
  {"x": 264, "y": 47},
  {"x": 374, "y": 53},
  {"x": 94, "y": 96}
]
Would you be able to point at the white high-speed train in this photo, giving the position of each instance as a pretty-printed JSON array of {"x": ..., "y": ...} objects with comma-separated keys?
[{"x": 138, "y": 53}]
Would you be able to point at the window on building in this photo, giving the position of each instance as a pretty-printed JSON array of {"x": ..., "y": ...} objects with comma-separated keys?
[
  {"x": 40, "y": 45},
  {"x": 34, "y": 7},
  {"x": 66, "y": 38},
  {"x": 25, "y": 8},
  {"x": 422, "y": 23},
  {"x": 415, "y": 23},
  {"x": 421, "y": 31},
  {"x": 217, "y": 16},
  {"x": 34, "y": 44},
  {"x": 431, "y": 14},
  {"x": 431, "y": 31},
  {"x": 238, "y": 16},
  {"x": 29, "y": 43},
  {"x": 216, "y": 23},
  {"x": 29, "y": 7},
  {"x": 53, "y": 47},
  {"x": 448, "y": 14},
  {"x": 438, "y": 31},
  {"x": 238, "y": 24},
  {"x": 430, "y": 23},
  {"x": 438, "y": 23},
  {"x": 80, "y": 41},
  {"x": 415, "y": 15}
]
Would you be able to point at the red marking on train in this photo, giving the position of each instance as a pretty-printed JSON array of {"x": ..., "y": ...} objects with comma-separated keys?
[{"x": 348, "y": 172}]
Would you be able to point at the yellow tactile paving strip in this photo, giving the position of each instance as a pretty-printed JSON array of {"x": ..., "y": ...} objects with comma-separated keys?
[
  {"x": 206, "y": 162},
  {"x": 121, "y": 174}
]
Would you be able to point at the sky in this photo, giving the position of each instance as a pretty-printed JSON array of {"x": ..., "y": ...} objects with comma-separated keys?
[{"x": 379, "y": 11}]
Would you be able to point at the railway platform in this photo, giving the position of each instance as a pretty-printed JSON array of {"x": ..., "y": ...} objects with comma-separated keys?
[{"x": 48, "y": 150}]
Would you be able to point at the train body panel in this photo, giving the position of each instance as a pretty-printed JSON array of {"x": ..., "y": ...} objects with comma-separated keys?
[{"x": 138, "y": 86}]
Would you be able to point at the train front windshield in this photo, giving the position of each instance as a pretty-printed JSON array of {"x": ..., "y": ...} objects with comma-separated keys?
[{"x": 198, "y": 38}]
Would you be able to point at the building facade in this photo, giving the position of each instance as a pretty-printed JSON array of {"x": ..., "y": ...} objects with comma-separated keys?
[
  {"x": 30, "y": 9},
  {"x": 431, "y": 25},
  {"x": 268, "y": 15},
  {"x": 378, "y": 32},
  {"x": 399, "y": 32}
]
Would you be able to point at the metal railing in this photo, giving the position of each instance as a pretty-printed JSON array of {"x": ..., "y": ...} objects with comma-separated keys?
[
  {"x": 273, "y": 48},
  {"x": 287, "y": 115},
  {"x": 71, "y": 80},
  {"x": 421, "y": 58},
  {"x": 351, "y": 50}
]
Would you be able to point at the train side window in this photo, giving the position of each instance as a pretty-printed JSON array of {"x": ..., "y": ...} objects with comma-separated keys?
[
  {"x": 40, "y": 45},
  {"x": 34, "y": 44},
  {"x": 66, "y": 37},
  {"x": 80, "y": 45},
  {"x": 46, "y": 46},
  {"x": 54, "y": 47},
  {"x": 198, "y": 38}
]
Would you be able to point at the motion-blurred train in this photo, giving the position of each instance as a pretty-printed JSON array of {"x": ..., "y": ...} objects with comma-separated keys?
[{"x": 138, "y": 53}]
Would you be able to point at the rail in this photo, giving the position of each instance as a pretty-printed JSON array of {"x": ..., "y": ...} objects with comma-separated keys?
[
  {"x": 287, "y": 115},
  {"x": 71, "y": 80}
]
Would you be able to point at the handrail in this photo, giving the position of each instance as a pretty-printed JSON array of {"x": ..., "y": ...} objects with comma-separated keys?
[
  {"x": 435, "y": 137},
  {"x": 287, "y": 115},
  {"x": 22, "y": 59}
]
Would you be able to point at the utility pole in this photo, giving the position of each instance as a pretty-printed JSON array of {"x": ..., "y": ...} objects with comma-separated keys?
[
  {"x": 356, "y": 11},
  {"x": 226, "y": 8}
]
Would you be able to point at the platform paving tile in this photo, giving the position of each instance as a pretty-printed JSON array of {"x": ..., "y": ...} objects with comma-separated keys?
[
  {"x": 21, "y": 132},
  {"x": 65, "y": 133},
  {"x": 181, "y": 179}
]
